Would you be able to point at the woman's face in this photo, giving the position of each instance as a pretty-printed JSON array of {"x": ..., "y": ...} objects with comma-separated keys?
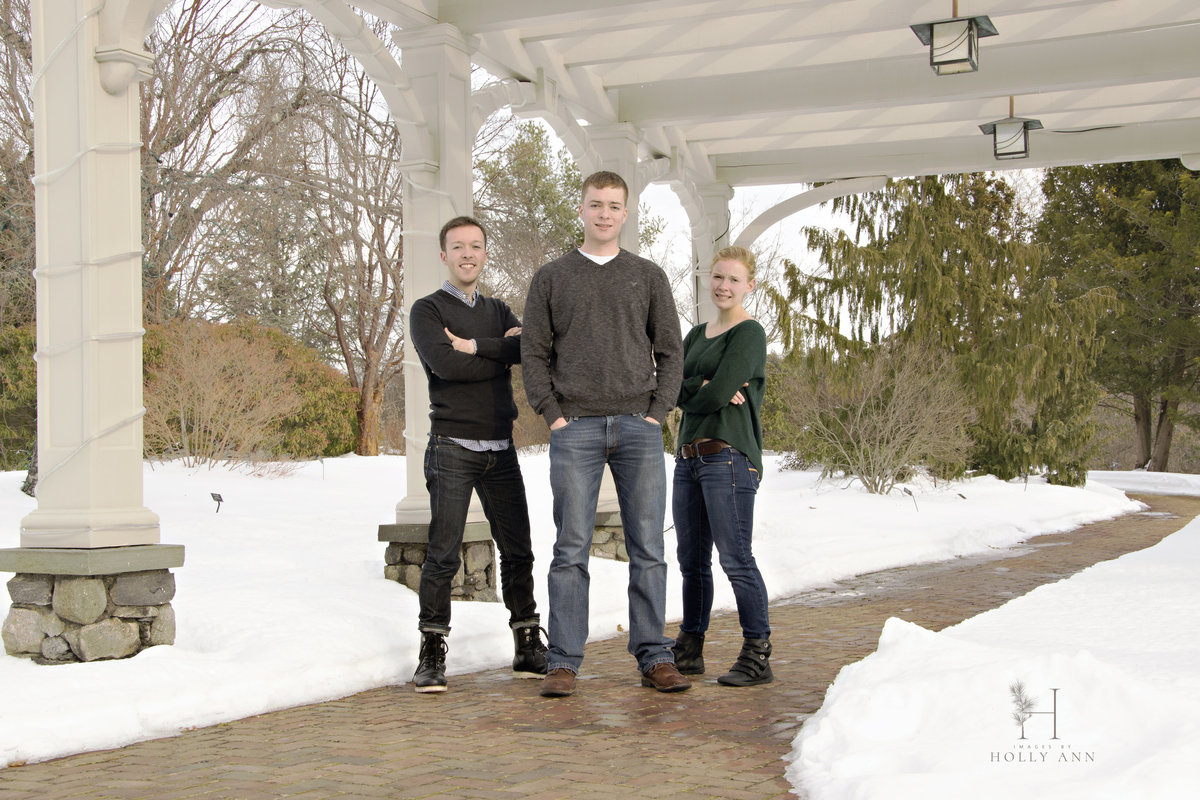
[{"x": 729, "y": 282}]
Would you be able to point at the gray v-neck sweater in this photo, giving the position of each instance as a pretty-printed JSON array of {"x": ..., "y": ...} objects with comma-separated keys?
[{"x": 601, "y": 340}]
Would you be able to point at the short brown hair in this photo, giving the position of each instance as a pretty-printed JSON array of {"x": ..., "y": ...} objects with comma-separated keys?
[
  {"x": 604, "y": 180},
  {"x": 738, "y": 254},
  {"x": 460, "y": 222}
]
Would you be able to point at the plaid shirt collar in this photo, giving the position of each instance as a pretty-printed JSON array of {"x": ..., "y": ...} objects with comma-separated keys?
[{"x": 460, "y": 294}]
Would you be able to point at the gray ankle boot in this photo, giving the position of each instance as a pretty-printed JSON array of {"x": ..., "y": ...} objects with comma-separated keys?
[
  {"x": 689, "y": 653},
  {"x": 752, "y": 667}
]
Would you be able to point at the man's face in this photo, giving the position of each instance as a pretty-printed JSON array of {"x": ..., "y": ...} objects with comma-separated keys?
[
  {"x": 603, "y": 213},
  {"x": 465, "y": 255}
]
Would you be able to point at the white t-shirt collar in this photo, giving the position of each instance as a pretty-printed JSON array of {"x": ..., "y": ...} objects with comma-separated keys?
[{"x": 601, "y": 260}]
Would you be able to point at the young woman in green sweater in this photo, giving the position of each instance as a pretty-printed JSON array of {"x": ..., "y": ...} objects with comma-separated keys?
[{"x": 718, "y": 469}]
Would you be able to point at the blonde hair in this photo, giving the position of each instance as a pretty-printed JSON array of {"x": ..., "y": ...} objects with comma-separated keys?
[{"x": 738, "y": 254}]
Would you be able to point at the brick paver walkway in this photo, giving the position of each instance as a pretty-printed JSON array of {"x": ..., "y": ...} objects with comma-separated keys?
[{"x": 493, "y": 737}]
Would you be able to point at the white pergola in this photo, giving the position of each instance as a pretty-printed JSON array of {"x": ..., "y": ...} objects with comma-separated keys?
[{"x": 705, "y": 96}]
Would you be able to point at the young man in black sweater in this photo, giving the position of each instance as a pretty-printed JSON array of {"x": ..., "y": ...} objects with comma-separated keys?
[{"x": 467, "y": 344}]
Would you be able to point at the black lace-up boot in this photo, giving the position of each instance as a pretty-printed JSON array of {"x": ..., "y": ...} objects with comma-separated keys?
[
  {"x": 431, "y": 664},
  {"x": 529, "y": 659}
]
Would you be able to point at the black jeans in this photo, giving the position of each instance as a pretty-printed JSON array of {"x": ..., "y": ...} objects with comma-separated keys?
[{"x": 451, "y": 473}]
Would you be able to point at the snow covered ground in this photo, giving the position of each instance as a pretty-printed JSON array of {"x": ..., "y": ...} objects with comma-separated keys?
[
  {"x": 1110, "y": 659},
  {"x": 282, "y": 601}
]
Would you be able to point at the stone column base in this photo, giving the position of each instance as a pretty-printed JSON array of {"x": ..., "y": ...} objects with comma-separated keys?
[
  {"x": 405, "y": 553},
  {"x": 608, "y": 537},
  {"x": 89, "y": 604}
]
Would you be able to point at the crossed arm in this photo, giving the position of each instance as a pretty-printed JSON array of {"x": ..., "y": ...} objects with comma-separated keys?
[
  {"x": 470, "y": 346},
  {"x": 454, "y": 358}
]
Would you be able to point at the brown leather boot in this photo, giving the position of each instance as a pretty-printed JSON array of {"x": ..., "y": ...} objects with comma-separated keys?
[
  {"x": 665, "y": 678},
  {"x": 558, "y": 683}
]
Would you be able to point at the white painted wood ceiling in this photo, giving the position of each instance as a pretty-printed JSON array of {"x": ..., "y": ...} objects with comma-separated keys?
[{"x": 751, "y": 92}]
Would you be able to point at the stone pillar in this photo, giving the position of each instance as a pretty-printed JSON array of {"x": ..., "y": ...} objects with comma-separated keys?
[
  {"x": 92, "y": 581},
  {"x": 408, "y": 544},
  {"x": 89, "y": 605},
  {"x": 708, "y": 236},
  {"x": 608, "y": 537}
]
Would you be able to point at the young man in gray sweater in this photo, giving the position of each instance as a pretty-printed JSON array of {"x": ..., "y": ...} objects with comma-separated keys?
[{"x": 602, "y": 360}]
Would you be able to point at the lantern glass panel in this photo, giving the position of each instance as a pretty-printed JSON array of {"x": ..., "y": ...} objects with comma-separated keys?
[
  {"x": 1011, "y": 140},
  {"x": 954, "y": 47}
]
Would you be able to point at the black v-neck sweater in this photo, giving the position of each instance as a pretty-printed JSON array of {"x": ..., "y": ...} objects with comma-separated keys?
[{"x": 470, "y": 396}]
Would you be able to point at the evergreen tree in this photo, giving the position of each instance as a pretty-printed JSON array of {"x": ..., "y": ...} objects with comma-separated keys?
[
  {"x": 18, "y": 397},
  {"x": 527, "y": 193},
  {"x": 947, "y": 261},
  {"x": 1133, "y": 228},
  {"x": 528, "y": 197}
]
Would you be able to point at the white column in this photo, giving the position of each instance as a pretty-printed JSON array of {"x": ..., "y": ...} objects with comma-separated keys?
[
  {"x": 89, "y": 288},
  {"x": 708, "y": 236},
  {"x": 617, "y": 147},
  {"x": 437, "y": 60}
]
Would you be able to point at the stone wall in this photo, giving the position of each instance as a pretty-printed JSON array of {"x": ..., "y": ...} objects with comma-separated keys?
[
  {"x": 66, "y": 618},
  {"x": 609, "y": 542},
  {"x": 405, "y": 553},
  {"x": 608, "y": 537}
]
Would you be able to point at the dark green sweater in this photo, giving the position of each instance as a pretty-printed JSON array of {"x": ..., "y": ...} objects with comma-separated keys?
[{"x": 737, "y": 356}]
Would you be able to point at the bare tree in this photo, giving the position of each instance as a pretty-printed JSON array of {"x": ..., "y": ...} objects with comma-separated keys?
[
  {"x": 214, "y": 397},
  {"x": 275, "y": 192},
  {"x": 879, "y": 414},
  {"x": 269, "y": 181},
  {"x": 226, "y": 80},
  {"x": 351, "y": 182}
]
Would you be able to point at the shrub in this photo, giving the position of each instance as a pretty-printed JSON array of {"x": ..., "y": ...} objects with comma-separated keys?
[
  {"x": 529, "y": 429},
  {"x": 325, "y": 423},
  {"x": 18, "y": 397},
  {"x": 879, "y": 415},
  {"x": 218, "y": 393}
]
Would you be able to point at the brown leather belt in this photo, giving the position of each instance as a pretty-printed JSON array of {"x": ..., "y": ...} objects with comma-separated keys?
[{"x": 707, "y": 448}]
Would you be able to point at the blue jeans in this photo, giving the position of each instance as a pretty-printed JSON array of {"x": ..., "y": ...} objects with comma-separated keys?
[
  {"x": 451, "y": 473},
  {"x": 633, "y": 449},
  {"x": 713, "y": 503}
]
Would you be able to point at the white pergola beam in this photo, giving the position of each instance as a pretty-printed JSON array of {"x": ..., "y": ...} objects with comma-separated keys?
[
  {"x": 813, "y": 197},
  {"x": 483, "y": 15},
  {"x": 1160, "y": 140},
  {"x": 1112, "y": 60}
]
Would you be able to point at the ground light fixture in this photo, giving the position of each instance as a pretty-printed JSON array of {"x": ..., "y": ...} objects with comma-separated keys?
[
  {"x": 954, "y": 43},
  {"x": 1010, "y": 136}
]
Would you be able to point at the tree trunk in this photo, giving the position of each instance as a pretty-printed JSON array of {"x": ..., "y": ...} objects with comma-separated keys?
[
  {"x": 1162, "y": 436},
  {"x": 370, "y": 412},
  {"x": 1141, "y": 422},
  {"x": 29, "y": 486}
]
